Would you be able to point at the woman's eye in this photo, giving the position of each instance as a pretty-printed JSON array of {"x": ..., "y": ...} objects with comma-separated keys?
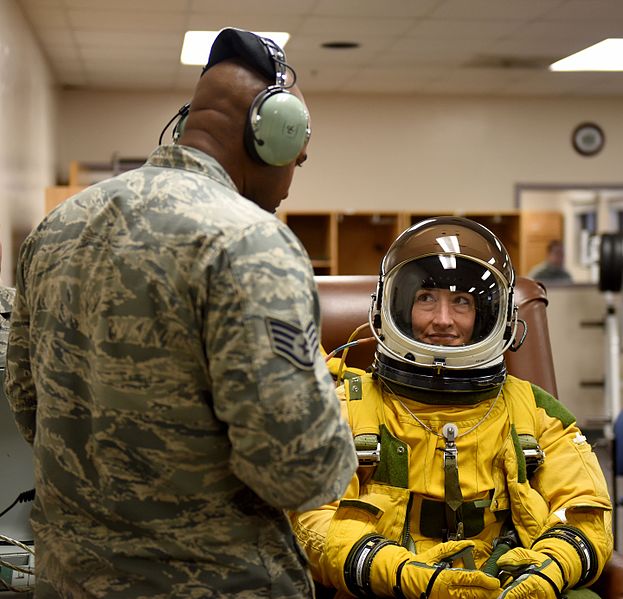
[{"x": 463, "y": 302}]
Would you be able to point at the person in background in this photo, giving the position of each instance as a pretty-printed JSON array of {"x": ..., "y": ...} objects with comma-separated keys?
[
  {"x": 472, "y": 484},
  {"x": 552, "y": 268},
  {"x": 163, "y": 359}
]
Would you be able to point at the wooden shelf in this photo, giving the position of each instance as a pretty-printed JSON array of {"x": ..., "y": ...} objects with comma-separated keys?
[
  {"x": 363, "y": 240},
  {"x": 87, "y": 173},
  {"x": 353, "y": 243},
  {"x": 318, "y": 234},
  {"x": 83, "y": 174},
  {"x": 55, "y": 195}
]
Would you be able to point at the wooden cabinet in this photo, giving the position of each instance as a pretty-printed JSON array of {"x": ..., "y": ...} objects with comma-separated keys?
[
  {"x": 318, "y": 233},
  {"x": 345, "y": 243},
  {"x": 363, "y": 240},
  {"x": 83, "y": 174},
  {"x": 354, "y": 243},
  {"x": 87, "y": 173},
  {"x": 55, "y": 195}
]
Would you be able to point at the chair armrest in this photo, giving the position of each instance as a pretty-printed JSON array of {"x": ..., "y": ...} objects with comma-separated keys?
[{"x": 610, "y": 583}]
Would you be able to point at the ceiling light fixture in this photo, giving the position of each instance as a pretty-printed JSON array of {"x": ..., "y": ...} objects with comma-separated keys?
[
  {"x": 606, "y": 55},
  {"x": 197, "y": 44}
]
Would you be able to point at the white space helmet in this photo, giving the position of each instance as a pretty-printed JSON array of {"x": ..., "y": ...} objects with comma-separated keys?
[{"x": 443, "y": 313}]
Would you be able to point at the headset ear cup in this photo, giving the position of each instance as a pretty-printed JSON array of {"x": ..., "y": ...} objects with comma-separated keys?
[
  {"x": 277, "y": 127},
  {"x": 249, "y": 141}
]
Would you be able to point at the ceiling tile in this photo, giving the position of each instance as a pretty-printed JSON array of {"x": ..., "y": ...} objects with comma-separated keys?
[
  {"x": 451, "y": 29},
  {"x": 409, "y": 50},
  {"x": 128, "y": 39},
  {"x": 46, "y": 18},
  {"x": 38, "y": 4},
  {"x": 495, "y": 9},
  {"x": 407, "y": 46},
  {"x": 592, "y": 31},
  {"x": 305, "y": 50},
  {"x": 386, "y": 8},
  {"x": 120, "y": 54},
  {"x": 349, "y": 28},
  {"x": 587, "y": 10},
  {"x": 262, "y": 22},
  {"x": 128, "y": 5},
  {"x": 254, "y": 7},
  {"x": 126, "y": 20}
]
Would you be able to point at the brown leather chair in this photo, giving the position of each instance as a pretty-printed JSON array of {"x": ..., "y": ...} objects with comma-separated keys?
[{"x": 344, "y": 305}]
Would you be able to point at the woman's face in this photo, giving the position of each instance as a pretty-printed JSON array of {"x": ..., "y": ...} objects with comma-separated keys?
[{"x": 443, "y": 317}]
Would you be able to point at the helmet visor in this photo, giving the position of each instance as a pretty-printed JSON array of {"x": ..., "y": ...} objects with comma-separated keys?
[{"x": 445, "y": 300}]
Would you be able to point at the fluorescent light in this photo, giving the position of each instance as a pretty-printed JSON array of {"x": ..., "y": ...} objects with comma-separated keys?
[
  {"x": 449, "y": 244},
  {"x": 606, "y": 55},
  {"x": 448, "y": 262},
  {"x": 197, "y": 44}
]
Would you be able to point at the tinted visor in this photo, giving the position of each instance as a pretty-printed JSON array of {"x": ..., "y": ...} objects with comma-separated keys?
[{"x": 445, "y": 300}]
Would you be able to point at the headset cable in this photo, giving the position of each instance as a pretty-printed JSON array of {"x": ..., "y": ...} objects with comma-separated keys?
[{"x": 21, "y": 498}]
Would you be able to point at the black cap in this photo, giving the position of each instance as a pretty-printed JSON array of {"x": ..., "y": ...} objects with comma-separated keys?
[{"x": 249, "y": 47}]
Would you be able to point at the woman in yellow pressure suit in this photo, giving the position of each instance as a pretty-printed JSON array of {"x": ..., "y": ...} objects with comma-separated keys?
[{"x": 472, "y": 483}]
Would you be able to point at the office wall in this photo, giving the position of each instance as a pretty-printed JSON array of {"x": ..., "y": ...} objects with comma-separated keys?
[
  {"x": 27, "y": 132},
  {"x": 387, "y": 152}
]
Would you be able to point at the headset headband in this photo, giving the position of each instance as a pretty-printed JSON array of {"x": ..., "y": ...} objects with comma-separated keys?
[
  {"x": 279, "y": 60},
  {"x": 262, "y": 54}
]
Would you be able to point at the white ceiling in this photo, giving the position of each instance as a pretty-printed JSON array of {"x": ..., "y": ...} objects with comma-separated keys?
[{"x": 492, "y": 47}]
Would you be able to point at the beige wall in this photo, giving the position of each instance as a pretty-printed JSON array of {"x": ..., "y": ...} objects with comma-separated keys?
[
  {"x": 27, "y": 131},
  {"x": 580, "y": 350},
  {"x": 378, "y": 152}
]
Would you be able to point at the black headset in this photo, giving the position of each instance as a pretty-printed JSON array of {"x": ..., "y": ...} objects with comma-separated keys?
[{"x": 277, "y": 126}]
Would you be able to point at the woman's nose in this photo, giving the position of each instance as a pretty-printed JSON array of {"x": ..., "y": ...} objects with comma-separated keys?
[{"x": 443, "y": 313}]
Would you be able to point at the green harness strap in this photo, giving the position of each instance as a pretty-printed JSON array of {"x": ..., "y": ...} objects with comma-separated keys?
[
  {"x": 453, "y": 496},
  {"x": 386, "y": 457}
]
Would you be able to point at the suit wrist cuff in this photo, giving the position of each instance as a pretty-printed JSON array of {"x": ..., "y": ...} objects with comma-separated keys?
[{"x": 573, "y": 552}]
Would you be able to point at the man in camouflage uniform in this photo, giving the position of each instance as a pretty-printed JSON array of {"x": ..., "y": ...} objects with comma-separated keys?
[{"x": 164, "y": 364}]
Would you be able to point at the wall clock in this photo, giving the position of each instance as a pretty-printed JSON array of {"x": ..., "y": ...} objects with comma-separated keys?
[{"x": 588, "y": 139}]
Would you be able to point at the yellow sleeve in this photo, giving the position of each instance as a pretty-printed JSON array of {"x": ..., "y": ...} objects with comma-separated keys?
[
  {"x": 311, "y": 529},
  {"x": 573, "y": 484}
]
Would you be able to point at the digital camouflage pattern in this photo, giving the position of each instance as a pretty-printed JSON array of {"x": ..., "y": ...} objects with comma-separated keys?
[
  {"x": 6, "y": 301},
  {"x": 170, "y": 435}
]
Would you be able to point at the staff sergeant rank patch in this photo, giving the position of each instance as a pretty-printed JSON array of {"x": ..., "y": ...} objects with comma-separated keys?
[{"x": 292, "y": 343}]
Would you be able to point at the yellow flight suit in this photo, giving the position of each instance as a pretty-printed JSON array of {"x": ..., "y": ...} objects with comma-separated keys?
[{"x": 405, "y": 490}]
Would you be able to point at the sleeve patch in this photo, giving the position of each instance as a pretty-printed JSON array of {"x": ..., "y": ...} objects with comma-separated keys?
[
  {"x": 553, "y": 407},
  {"x": 292, "y": 343}
]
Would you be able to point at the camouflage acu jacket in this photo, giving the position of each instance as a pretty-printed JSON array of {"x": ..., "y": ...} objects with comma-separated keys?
[
  {"x": 164, "y": 340},
  {"x": 6, "y": 301}
]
